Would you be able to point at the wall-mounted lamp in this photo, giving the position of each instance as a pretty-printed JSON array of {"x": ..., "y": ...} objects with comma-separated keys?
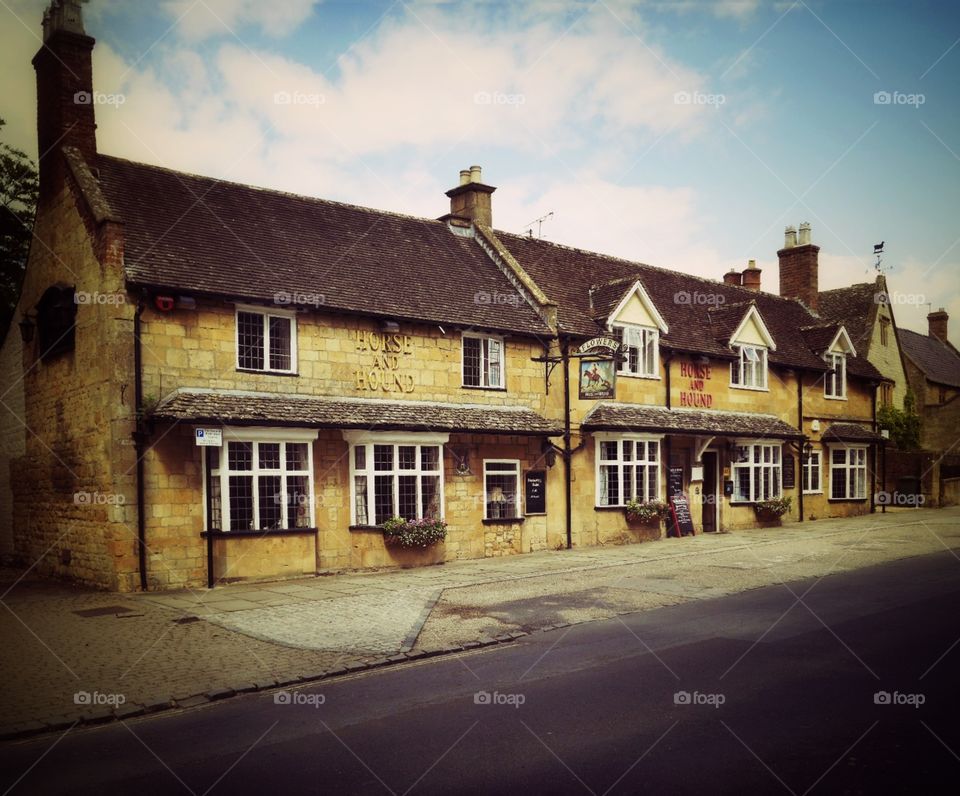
[
  {"x": 549, "y": 451},
  {"x": 27, "y": 328}
]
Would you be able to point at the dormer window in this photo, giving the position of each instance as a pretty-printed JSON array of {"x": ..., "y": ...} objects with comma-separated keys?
[
  {"x": 640, "y": 346},
  {"x": 749, "y": 369},
  {"x": 835, "y": 382}
]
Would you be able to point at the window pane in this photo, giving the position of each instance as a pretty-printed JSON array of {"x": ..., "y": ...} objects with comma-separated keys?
[
  {"x": 297, "y": 456},
  {"x": 838, "y": 480},
  {"x": 383, "y": 457},
  {"x": 269, "y": 455},
  {"x": 628, "y": 450},
  {"x": 298, "y": 501},
  {"x": 240, "y": 456},
  {"x": 280, "y": 349},
  {"x": 360, "y": 457},
  {"x": 383, "y": 498},
  {"x": 215, "y": 520},
  {"x": 743, "y": 482},
  {"x": 430, "y": 496},
  {"x": 608, "y": 451},
  {"x": 494, "y": 363},
  {"x": 250, "y": 340},
  {"x": 214, "y": 454},
  {"x": 501, "y": 492},
  {"x": 407, "y": 456},
  {"x": 430, "y": 458},
  {"x": 652, "y": 474},
  {"x": 407, "y": 496},
  {"x": 653, "y": 449},
  {"x": 271, "y": 500},
  {"x": 360, "y": 489},
  {"x": 861, "y": 486},
  {"x": 613, "y": 485},
  {"x": 241, "y": 502},
  {"x": 838, "y": 456},
  {"x": 471, "y": 361}
]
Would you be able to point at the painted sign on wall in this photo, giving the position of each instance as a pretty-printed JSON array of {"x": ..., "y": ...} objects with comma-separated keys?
[{"x": 696, "y": 393}]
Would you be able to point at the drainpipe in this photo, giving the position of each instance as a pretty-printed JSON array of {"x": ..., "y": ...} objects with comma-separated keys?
[
  {"x": 803, "y": 440},
  {"x": 139, "y": 439},
  {"x": 669, "y": 438},
  {"x": 567, "y": 452},
  {"x": 875, "y": 450}
]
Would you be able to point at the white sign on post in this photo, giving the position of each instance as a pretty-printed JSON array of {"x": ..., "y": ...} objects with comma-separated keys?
[{"x": 209, "y": 437}]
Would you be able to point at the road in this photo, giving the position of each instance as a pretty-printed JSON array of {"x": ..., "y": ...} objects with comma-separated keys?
[{"x": 781, "y": 684}]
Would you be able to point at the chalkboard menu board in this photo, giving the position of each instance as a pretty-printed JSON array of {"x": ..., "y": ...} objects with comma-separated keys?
[
  {"x": 535, "y": 492},
  {"x": 680, "y": 514},
  {"x": 674, "y": 481},
  {"x": 789, "y": 472}
]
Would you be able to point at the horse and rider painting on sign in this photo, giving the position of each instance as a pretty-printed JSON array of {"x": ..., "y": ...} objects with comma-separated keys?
[{"x": 598, "y": 380}]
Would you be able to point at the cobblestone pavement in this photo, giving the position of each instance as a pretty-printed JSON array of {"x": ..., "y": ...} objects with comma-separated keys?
[{"x": 138, "y": 652}]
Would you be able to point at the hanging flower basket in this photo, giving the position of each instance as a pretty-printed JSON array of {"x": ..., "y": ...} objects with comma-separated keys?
[
  {"x": 768, "y": 510},
  {"x": 648, "y": 513},
  {"x": 398, "y": 532}
]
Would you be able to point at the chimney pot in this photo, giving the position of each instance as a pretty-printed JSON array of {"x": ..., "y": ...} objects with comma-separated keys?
[
  {"x": 732, "y": 277},
  {"x": 789, "y": 237},
  {"x": 475, "y": 174},
  {"x": 937, "y": 324},
  {"x": 804, "y": 234},
  {"x": 464, "y": 176},
  {"x": 751, "y": 276}
]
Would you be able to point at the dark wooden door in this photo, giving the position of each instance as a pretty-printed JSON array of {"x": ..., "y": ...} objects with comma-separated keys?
[{"x": 710, "y": 508}]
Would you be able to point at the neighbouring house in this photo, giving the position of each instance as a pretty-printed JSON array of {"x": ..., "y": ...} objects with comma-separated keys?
[
  {"x": 933, "y": 370},
  {"x": 214, "y": 381}
]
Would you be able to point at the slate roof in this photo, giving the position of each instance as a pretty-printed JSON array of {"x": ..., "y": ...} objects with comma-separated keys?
[
  {"x": 853, "y": 306},
  {"x": 616, "y": 416},
  {"x": 567, "y": 276},
  {"x": 938, "y": 362},
  {"x": 201, "y": 235},
  {"x": 252, "y": 408},
  {"x": 850, "y": 432}
]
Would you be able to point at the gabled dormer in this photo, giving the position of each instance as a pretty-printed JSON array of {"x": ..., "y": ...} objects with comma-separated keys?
[
  {"x": 635, "y": 321},
  {"x": 744, "y": 331},
  {"x": 835, "y": 382}
]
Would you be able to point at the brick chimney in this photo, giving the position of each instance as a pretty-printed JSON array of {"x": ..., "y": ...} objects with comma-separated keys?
[
  {"x": 799, "y": 266},
  {"x": 937, "y": 324},
  {"x": 732, "y": 277},
  {"x": 64, "y": 92},
  {"x": 751, "y": 276},
  {"x": 471, "y": 198}
]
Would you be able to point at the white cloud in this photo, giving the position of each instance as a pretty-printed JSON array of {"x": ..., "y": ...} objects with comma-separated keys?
[{"x": 200, "y": 19}]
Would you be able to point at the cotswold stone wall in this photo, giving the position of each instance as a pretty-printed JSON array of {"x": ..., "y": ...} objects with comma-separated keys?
[
  {"x": 73, "y": 490},
  {"x": 13, "y": 435}
]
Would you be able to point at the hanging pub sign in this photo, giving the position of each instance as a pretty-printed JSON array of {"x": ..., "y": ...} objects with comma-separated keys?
[
  {"x": 598, "y": 379},
  {"x": 600, "y": 345}
]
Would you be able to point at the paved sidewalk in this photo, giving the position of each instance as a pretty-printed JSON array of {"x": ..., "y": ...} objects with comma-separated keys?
[{"x": 136, "y": 653}]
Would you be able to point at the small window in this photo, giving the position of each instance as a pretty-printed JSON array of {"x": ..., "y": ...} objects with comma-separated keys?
[
  {"x": 483, "y": 362},
  {"x": 886, "y": 394},
  {"x": 835, "y": 382},
  {"x": 501, "y": 490},
  {"x": 749, "y": 369},
  {"x": 884, "y": 331},
  {"x": 266, "y": 341},
  {"x": 56, "y": 322},
  {"x": 640, "y": 345},
  {"x": 848, "y": 473},
  {"x": 811, "y": 473}
]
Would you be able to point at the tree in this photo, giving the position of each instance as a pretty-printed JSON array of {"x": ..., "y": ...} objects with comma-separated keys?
[
  {"x": 903, "y": 424},
  {"x": 19, "y": 186}
]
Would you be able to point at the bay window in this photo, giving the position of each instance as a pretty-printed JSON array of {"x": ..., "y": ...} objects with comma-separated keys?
[
  {"x": 848, "y": 473},
  {"x": 749, "y": 369},
  {"x": 260, "y": 483},
  {"x": 757, "y": 473},
  {"x": 628, "y": 468},
  {"x": 501, "y": 489},
  {"x": 396, "y": 478}
]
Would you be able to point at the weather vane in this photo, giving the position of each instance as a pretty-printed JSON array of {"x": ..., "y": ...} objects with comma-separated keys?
[{"x": 878, "y": 253}]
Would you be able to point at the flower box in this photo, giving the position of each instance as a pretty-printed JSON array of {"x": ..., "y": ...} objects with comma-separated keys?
[{"x": 398, "y": 532}]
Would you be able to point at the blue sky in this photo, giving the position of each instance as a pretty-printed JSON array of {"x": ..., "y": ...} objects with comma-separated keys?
[{"x": 686, "y": 135}]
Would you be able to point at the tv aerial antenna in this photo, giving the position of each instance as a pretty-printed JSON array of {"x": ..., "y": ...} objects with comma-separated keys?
[{"x": 528, "y": 228}]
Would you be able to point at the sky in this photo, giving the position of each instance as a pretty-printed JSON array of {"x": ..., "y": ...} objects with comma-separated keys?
[{"x": 681, "y": 134}]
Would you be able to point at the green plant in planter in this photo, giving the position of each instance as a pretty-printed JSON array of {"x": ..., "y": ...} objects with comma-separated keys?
[
  {"x": 638, "y": 511},
  {"x": 775, "y": 507},
  {"x": 399, "y": 532}
]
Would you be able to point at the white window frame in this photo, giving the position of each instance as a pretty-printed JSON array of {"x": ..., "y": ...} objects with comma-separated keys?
[
  {"x": 257, "y": 435},
  {"x": 484, "y": 361},
  {"x": 599, "y": 462},
  {"x": 515, "y": 472},
  {"x": 649, "y": 337},
  {"x": 834, "y": 360},
  {"x": 367, "y": 439},
  {"x": 775, "y": 464},
  {"x": 760, "y": 367},
  {"x": 849, "y": 468},
  {"x": 811, "y": 464},
  {"x": 266, "y": 313}
]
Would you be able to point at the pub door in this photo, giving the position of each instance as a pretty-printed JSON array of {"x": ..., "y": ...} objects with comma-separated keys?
[{"x": 711, "y": 508}]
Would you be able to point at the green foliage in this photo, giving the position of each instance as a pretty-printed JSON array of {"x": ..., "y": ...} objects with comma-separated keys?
[
  {"x": 414, "y": 533},
  {"x": 775, "y": 507},
  {"x": 646, "y": 512},
  {"x": 903, "y": 424},
  {"x": 19, "y": 186}
]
